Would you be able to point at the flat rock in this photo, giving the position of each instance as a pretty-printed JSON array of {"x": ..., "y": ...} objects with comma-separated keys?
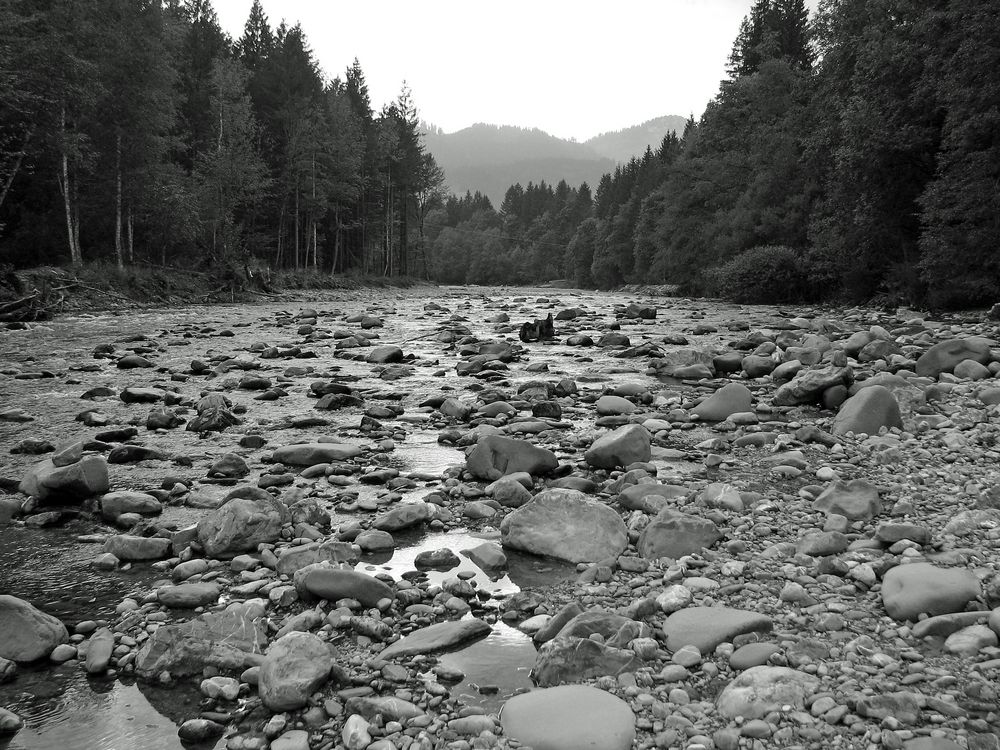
[
  {"x": 310, "y": 454},
  {"x": 114, "y": 504},
  {"x": 565, "y": 524},
  {"x": 129, "y": 547},
  {"x": 248, "y": 517},
  {"x": 188, "y": 595},
  {"x": 574, "y": 659},
  {"x": 945, "y": 355},
  {"x": 570, "y": 717},
  {"x": 675, "y": 534},
  {"x": 495, "y": 456},
  {"x": 226, "y": 640},
  {"x": 327, "y": 582},
  {"x": 760, "y": 690},
  {"x": 438, "y": 637},
  {"x": 915, "y": 588},
  {"x": 856, "y": 499},
  {"x": 728, "y": 400},
  {"x": 707, "y": 627}
]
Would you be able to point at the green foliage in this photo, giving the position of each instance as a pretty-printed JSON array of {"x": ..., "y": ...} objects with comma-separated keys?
[{"x": 770, "y": 273}]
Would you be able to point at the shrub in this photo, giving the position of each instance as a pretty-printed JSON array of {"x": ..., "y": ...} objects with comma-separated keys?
[{"x": 766, "y": 274}]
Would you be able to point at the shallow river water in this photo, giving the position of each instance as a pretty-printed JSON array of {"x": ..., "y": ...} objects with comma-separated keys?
[{"x": 45, "y": 370}]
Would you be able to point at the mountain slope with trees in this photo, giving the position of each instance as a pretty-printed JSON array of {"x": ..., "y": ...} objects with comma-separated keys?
[{"x": 622, "y": 145}]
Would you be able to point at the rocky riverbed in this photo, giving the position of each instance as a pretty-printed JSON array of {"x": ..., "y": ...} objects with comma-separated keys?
[{"x": 377, "y": 520}]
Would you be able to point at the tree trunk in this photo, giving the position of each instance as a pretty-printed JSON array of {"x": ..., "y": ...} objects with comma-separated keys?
[
  {"x": 131, "y": 238},
  {"x": 17, "y": 165},
  {"x": 336, "y": 240},
  {"x": 119, "y": 254},
  {"x": 296, "y": 225},
  {"x": 67, "y": 193}
]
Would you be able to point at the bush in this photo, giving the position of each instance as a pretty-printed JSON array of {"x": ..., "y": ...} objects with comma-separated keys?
[{"x": 767, "y": 274}]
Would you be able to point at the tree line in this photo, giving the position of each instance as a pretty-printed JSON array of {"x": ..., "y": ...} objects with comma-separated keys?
[
  {"x": 138, "y": 131},
  {"x": 851, "y": 156}
]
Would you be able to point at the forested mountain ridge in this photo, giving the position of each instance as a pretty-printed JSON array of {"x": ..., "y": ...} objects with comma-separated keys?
[
  {"x": 852, "y": 156},
  {"x": 622, "y": 145},
  {"x": 491, "y": 158}
]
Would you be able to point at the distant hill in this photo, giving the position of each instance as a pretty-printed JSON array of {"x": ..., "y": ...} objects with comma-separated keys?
[
  {"x": 491, "y": 158},
  {"x": 622, "y": 145}
]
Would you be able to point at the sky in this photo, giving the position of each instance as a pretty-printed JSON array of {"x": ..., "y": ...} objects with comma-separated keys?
[{"x": 572, "y": 68}]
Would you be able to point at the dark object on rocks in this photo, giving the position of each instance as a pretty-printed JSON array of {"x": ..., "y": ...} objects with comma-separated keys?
[{"x": 538, "y": 331}]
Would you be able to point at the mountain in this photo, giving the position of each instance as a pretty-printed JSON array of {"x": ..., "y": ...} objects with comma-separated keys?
[
  {"x": 491, "y": 158},
  {"x": 622, "y": 145}
]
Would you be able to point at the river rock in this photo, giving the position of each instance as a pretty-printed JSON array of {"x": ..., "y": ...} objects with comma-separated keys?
[
  {"x": 129, "y": 547},
  {"x": 383, "y": 355},
  {"x": 945, "y": 355},
  {"x": 914, "y": 588},
  {"x": 404, "y": 516},
  {"x": 114, "y": 504},
  {"x": 99, "y": 648},
  {"x": 294, "y": 667},
  {"x": 760, "y": 690},
  {"x": 249, "y": 517},
  {"x": 707, "y": 627},
  {"x": 570, "y": 717},
  {"x": 77, "y": 481},
  {"x": 310, "y": 454},
  {"x": 27, "y": 633},
  {"x": 610, "y": 405},
  {"x": 390, "y": 707},
  {"x": 291, "y": 559},
  {"x": 808, "y": 386},
  {"x": 867, "y": 412},
  {"x": 728, "y": 400},
  {"x": 10, "y": 722},
  {"x": 188, "y": 595},
  {"x": 575, "y": 659},
  {"x": 621, "y": 447},
  {"x": 857, "y": 499},
  {"x": 565, "y": 524},
  {"x": 324, "y": 581},
  {"x": 438, "y": 637},
  {"x": 199, "y": 730},
  {"x": 650, "y": 497},
  {"x": 487, "y": 555},
  {"x": 495, "y": 456},
  {"x": 675, "y": 534},
  {"x": 226, "y": 640}
]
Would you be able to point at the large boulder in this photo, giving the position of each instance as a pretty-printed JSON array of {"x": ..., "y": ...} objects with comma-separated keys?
[
  {"x": 808, "y": 386},
  {"x": 945, "y": 355},
  {"x": 908, "y": 590},
  {"x": 310, "y": 454},
  {"x": 760, "y": 690},
  {"x": 227, "y": 640},
  {"x": 728, "y": 400},
  {"x": 323, "y": 581},
  {"x": 565, "y": 524},
  {"x": 295, "y": 666},
  {"x": 495, "y": 456},
  {"x": 247, "y": 518},
  {"x": 575, "y": 659},
  {"x": 27, "y": 633},
  {"x": 403, "y": 516},
  {"x": 77, "y": 481},
  {"x": 868, "y": 411},
  {"x": 626, "y": 445},
  {"x": 570, "y": 717},
  {"x": 675, "y": 534}
]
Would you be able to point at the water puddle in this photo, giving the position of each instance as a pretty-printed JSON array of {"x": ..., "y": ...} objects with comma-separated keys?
[
  {"x": 495, "y": 668},
  {"x": 62, "y": 708}
]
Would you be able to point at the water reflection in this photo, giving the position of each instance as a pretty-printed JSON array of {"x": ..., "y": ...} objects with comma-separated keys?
[{"x": 495, "y": 668}]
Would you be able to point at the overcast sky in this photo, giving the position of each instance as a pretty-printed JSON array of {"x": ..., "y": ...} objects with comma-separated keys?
[{"x": 574, "y": 68}]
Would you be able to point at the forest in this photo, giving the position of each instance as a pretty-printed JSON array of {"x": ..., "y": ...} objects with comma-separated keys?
[
  {"x": 852, "y": 156},
  {"x": 136, "y": 131}
]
